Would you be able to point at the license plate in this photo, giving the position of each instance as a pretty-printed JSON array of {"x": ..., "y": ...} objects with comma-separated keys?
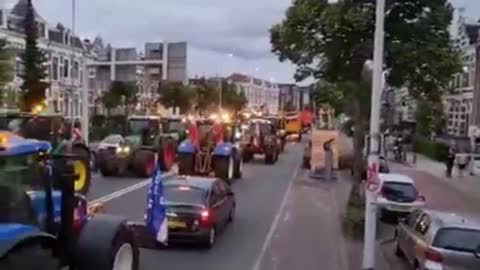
[{"x": 177, "y": 224}]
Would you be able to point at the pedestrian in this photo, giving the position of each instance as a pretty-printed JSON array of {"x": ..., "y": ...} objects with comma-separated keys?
[
  {"x": 450, "y": 161},
  {"x": 462, "y": 162}
]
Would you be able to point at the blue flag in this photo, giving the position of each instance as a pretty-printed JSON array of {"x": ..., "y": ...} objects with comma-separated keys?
[{"x": 155, "y": 217}]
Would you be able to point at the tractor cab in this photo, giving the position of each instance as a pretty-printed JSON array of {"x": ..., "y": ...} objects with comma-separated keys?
[
  {"x": 143, "y": 127},
  {"x": 42, "y": 217},
  {"x": 56, "y": 130},
  {"x": 261, "y": 138}
]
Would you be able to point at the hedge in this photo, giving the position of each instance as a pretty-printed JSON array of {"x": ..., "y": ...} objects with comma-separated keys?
[{"x": 433, "y": 150}]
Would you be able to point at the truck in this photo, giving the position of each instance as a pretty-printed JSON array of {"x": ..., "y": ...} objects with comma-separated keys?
[{"x": 293, "y": 124}]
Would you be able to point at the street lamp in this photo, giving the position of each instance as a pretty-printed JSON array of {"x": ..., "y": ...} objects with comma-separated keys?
[{"x": 373, "y": 157}]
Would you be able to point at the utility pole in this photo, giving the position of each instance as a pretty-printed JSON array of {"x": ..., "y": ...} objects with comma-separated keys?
[
  {"x": 373, "y": 157},
  {"x": 70, "y": 72}
]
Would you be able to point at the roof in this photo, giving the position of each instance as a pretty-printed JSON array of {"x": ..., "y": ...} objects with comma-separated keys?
[
  {"x": 450, "y": 219},
  {"x": 395, "y": 177},
  {"x": 12, "y": 145},
  {"x": 20, "y": 9},
  {"x": 192, "y": 181}
]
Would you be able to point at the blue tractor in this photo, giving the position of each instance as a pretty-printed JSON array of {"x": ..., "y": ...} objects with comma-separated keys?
[
  {"x": 214, "y": 148},
  {"x": 44, "y": 224}
]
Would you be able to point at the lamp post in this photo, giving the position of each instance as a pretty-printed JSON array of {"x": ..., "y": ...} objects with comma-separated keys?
[{"x": 373, "y": 157}]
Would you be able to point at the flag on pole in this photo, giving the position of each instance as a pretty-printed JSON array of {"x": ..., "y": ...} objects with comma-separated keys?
[{"x": 155, "y": 218}]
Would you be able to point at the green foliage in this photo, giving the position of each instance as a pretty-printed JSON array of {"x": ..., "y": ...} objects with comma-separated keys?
[
  {"x": 430, "y": 117},
  {"x": 353, "y": 222},
  {"x": 232, "y": 99},
  {"x": 33, "y": 58},
  {"x": 6, "y": 67},
  {"x": 433, "y": 150},
  {"x": 175, "y": 94},
  {"x": 120, "y": 93}
]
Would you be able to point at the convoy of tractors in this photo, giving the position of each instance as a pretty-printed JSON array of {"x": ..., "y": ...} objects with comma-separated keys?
[{"x": 45, "y": 176}]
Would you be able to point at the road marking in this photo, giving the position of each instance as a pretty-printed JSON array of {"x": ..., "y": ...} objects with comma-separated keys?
[
  {"x": 274, "y": 225},
  {"x": 124, "y": 191}
]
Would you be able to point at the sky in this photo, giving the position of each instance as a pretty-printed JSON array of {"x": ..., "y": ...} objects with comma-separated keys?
[{"x": 224, "y": 36}]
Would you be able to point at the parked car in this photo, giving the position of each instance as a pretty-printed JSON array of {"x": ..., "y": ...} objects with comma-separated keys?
[
  {"x": 435, "y": 240},
  {"x": 198, "y": 208},
  {"x": 398, "y": 196},
  {"x": 383, "y": 167}
]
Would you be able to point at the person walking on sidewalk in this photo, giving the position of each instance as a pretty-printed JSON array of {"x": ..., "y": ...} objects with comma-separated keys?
[
  {"x": 450, "y": 161},
  {"x": 462, "y": 162}
]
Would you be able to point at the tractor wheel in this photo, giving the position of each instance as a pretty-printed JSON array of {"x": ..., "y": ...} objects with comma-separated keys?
[
  {"x": 238, "y": 171},
  {"x": 299, "y": 138},
  {"x": 144, "y": 163},
  {"x": 284, "y": 143},
  {"x": 106, "y": 242},
  {"x": 270, "y": 157},
  {"x": 247, "y": 156},
  {"x": 224, "y": 168},
  {"x": 82, "y": 169},
  {"x": 37, "y": 256},
  {"x": 166, "y": 155},
  {"x": 106, "y": 170},
  {"x": 185, "y": 164}
]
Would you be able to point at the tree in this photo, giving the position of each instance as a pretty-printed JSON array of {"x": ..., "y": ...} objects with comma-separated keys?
[
  {"x": 125, "y": 93},
  {"x": 111, "y": 100},
  {"x": 6, "y": 68},
  {"x": 207, "y": 96},
  {"x": 232, "y": 99},
  {"x": 34, "y": 74},
  {"x": 332, "y": 42},
  {"x": 176, "y": 95}
]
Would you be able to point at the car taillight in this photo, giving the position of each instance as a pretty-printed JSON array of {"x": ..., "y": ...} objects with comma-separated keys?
[
  {"x": 433, "y": 255},
  {"x": 420, "y": 198},
  {"x": 205, "y": 218}
]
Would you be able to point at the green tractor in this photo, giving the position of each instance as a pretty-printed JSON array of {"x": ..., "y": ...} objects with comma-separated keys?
[
  {"x": 174, "y": 127},
  {"x": 55, "y": 129},
  {"x": 143, "y": 145}
]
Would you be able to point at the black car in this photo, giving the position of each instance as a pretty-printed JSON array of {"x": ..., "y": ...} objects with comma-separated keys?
[{"x": 198, "y": 208}]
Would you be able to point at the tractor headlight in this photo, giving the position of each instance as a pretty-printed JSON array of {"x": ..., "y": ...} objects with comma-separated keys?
[
  {"x": 126, "y": 149},
  {"x": 119, "y": 150},
  {"x": 238, "y": 135}
]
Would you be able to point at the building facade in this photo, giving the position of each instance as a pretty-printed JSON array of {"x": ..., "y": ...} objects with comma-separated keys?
[
  {"x": 66, "y": 58},
  {"x": 259, "y": 92},
  {"x": 75, "y": 65},
  {"x": 458, "y": 103}
]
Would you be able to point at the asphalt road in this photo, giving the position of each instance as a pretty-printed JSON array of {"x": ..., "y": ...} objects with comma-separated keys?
[
  {"x": 259, "y": 195},
  {"x": 439, "y": 196}
]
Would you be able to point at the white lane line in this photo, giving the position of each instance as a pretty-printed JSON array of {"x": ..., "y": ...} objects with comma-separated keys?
[
  {"x": 126, "y": 190},
  {"x": 273, "y": 227}
]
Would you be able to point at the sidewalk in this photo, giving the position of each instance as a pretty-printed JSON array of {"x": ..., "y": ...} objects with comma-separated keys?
[
  {"x": 309, "y": 234},
  {"x": 468, "y": 184}
]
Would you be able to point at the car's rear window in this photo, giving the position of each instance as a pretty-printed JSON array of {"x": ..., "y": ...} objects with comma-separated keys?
[
  {"x": 399, "y": 191},
  {"x": 457, "y": 239},
  {"x": 184, "y": 195}
]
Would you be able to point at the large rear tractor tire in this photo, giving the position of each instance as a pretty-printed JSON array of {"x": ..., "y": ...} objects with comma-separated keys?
[
  {"x": 106, "y": 242},
  {"x": 238, "y": 171},
  {"x": 106, "y": 170},
  {"x": 30, "y": 256},
  {"x": 186, "y": 163},
  {"x": 82, "y": 170},
  {"x": 270, "y": 156},
  {"x": 144, "y": 163},
  {"x": 224, "y": 168},
  {"x": 299, "y": 138},
  {"x": 167, "y": 155},
  {"x": 247, "y": 156}
]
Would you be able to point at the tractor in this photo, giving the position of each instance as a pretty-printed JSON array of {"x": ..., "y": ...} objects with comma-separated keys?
[
  {"x": 174, "y": 127},
  {"x": 261, "y": 138},
  {"x": 293, "y": 125},
  {"x": 55, "y": 129},
  {"x": 45, "y": 224},
  {"x": 144, "y": 144},
  {"x": 279, "y": 125},
  {"x": 211, "y": 147}
]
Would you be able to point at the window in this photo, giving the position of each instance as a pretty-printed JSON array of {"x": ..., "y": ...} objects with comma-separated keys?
[
  {"x": 66, "y": 68},
  {"x": 75, "y": 70},
  {"x": 55, "y": 68},
  {"x": 457, "y": 239},
  {"x": 184, "y": 194},
  {"x": 423, "y": 224},
  {"x": 399, "y": 192}
]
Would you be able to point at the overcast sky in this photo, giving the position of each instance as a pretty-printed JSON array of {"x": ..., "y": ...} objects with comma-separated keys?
[{"x": 214, "y": 29}]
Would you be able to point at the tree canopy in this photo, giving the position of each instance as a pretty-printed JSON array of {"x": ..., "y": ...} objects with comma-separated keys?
[
  {"x": 120, "y": 94},
  {"x": 34, "y": 74},
  {"x": 6, "y": 67},
  {"x": 176, "y": 95}
]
